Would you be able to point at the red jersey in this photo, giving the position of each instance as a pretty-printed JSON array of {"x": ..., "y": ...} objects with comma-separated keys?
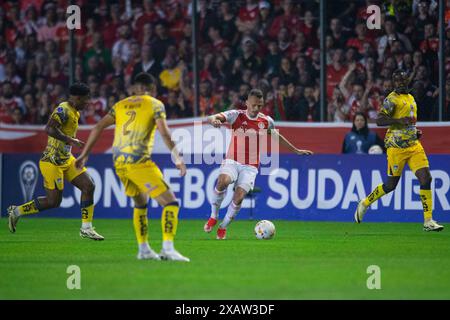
[{"x": 246, "y": 135}]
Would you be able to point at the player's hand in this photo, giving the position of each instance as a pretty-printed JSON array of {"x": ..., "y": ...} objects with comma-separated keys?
[
  {"x": 216, "y": 123},
  {"x": 75, "y": 142},
  {"x": 182, "y": 167},
  {"x": 80, "y": 162},
  {"x": 419, "y": 133},
  {"x": 304, "y": 152},
  {"x": 405, "y": 121}
]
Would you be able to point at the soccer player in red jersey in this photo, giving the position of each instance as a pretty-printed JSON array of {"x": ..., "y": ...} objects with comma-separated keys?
[{"x": 242, "y": 160}]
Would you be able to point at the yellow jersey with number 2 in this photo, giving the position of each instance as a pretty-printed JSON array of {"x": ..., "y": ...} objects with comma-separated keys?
[
  {"x": 399, "y": 106},
  {"x": 135, "y": 119}
]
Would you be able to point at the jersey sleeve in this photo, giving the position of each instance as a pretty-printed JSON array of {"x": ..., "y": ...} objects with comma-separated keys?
[
  {"x": 60, "y": 114},
  {"x": 230, "y": 115},
  {"x": 159, "y": 111},
  {"x": 271, "y": 123},
  {"x": 112, "y": 111},
  {"x": 388, "y": 106}
]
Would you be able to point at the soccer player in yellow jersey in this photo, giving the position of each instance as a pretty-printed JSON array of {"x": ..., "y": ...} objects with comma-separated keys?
[
  {"x": 399, "y": 112},
  {"x": 137, "y": 118},
  {"x": 57, "y": 163}
]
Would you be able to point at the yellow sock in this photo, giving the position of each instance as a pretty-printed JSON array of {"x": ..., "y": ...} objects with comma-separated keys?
[
  {"x": 29, "y": 207},
  {"x": 427, "y": 203},
  {"x": 376, "y": 194},
  {"x": 169, "y": 221},
  {"x": 87, "y": 211},
  {"x": 140, "y": 222}
]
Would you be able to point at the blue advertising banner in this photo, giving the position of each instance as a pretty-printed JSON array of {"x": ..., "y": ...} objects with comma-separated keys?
[{"x": 319, "y": 187}]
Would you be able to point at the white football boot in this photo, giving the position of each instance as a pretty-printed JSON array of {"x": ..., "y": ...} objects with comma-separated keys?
[
  {"x": 173, "y": 255},
  {"x": 148, "y": 254},
  {"x": 13, "y": 218},
  {"x": 90, "y": 233},
  {"x": 360, "y": 211},
  {"x": 432, "y": 225}
]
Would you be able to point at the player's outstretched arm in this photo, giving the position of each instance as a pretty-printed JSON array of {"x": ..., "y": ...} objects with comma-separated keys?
[
  {"x": 164, "y": 130},
  {"x": 105, "y": 122},
  {"x": 384, "y": 120},
  {"x": 53, "y": 129},
  {"x": 275, "y": 133},
  {"x": 216, "y": 120}
]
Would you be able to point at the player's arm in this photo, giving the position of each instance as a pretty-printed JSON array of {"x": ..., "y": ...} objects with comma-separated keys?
[
  {"x": 104, "y": 123},
  {"x": 384, "y": 117},
  {"x": 164, "y": 130},
  {"x": 53, "y": 129},
  {"x": 216, "y": 120},
  {"x": 276, "y": 134}
]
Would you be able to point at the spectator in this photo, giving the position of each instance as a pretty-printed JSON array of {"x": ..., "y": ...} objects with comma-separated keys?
[
  {"x": 122, "y": 47},
  {"x": 147, "y": 63},
  {"x": 171, "y": 75},
  {"x": 360, "y": 138},
  {"x": 338, "y": 109}
]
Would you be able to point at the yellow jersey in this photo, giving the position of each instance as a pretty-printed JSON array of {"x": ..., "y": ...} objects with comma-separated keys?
[
  {"x": 134, "y": 135},
  {"x": 398, "y": 106},
  {"x": 57, "y": 151}
]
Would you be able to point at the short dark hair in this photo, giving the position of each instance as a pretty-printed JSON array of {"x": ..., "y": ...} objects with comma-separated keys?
[
  {"x": 144, "y": 78},
  {"x": 79, "y": 89},
  {"x": 255, "y": 93}
]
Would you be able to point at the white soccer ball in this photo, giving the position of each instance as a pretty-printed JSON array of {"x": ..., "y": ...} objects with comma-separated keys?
[
  {"x": 375, "y": 149},
  {"x": 264, "y": 230}
]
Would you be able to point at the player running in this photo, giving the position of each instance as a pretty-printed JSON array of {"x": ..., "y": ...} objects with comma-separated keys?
[
  {"x": 137, "y": 118},
  {"x": 242, "y": 160},
  {"x": 399, "y": 112},
  {"x": 57, "y": 163}
]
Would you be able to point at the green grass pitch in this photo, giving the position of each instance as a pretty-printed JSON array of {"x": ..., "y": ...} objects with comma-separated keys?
[{"x": 305, "y": 260}]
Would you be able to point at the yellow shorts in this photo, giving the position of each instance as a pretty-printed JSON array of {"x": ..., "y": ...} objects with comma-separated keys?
[
  {"x": 142, "y": 178},
  {"x": 54, "y": 175},
  {"x": 397, "y": 158}
]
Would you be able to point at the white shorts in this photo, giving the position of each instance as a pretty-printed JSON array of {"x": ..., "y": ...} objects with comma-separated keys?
[{"x": 241, "y": 175}]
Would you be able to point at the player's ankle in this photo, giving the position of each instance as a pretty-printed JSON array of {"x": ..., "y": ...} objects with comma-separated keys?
[
  {"x": 86, "y": 225},
  {"x": 168, "y": 245}
]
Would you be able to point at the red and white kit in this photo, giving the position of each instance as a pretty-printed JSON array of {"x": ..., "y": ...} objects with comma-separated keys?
[{"x": 242, "y": 159}]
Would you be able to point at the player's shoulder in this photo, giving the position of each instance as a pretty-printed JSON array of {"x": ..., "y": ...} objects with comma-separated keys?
[{"x": 263, "y": 116}]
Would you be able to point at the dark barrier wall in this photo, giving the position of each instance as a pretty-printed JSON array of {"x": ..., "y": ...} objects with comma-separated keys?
[{"x": 320, "y": 187}]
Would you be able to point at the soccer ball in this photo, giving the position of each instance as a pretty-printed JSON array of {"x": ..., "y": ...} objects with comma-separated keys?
[{"x": 264, "y": 229}]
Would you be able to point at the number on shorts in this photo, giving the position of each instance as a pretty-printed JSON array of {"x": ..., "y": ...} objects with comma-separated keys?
[{"x": 132, "y": 115}]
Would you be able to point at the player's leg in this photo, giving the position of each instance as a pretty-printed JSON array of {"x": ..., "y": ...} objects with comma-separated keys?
[
  {"x": 169, "y": 224},
  {"x": 220, "y": 191},
  {"x": 396, "y": 159},
  {"x": 140, "y": 223},
  {"x": 87, "y": 187},
  {"x": 51, "y": 200},
  {"x": 420, "y": 166},
  {"x": 244, "y": 183},
  {"x": 149, "y": 180},
  {"x": 232, "y": 211},
  {"x": 53, "y": 185}
]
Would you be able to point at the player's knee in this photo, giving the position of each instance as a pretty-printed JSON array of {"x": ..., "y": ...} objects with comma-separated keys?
[
  {"x": 389, "y": 187},
  {"x": 425, "y": 182},
  {"x": 88, "y": 188}
]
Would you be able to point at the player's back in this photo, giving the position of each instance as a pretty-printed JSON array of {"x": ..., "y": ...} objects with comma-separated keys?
[
  {"x": 400, "y": 106},
  {"x": 135, "y": 119}
]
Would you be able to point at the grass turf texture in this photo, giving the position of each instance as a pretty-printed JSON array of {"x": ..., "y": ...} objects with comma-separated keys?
[{"x": 305, "y": 260}]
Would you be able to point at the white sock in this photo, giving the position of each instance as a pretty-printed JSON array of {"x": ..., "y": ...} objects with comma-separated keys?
[
  {"x": 168, "y": 245},
  {"x": 232, "y": 211},
  {"x": 86, "y": 225},
  {"x": 216, "y": 202},
  {"x": 144, "y": 247}
]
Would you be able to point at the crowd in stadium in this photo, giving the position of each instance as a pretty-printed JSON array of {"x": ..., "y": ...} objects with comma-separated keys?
[{"x": 272, "y": 45}]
